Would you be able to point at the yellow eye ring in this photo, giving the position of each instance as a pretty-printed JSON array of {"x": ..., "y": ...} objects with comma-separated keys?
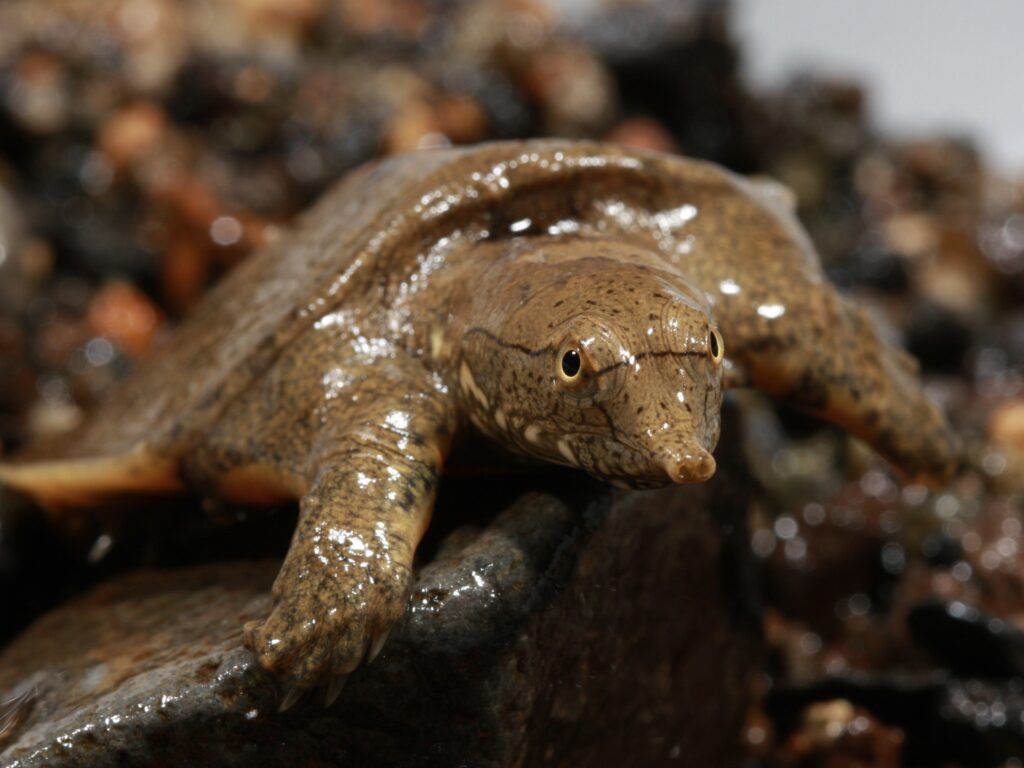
[
  {"x": 716, "y": 346},
  {"x": 570, "y": 365}
]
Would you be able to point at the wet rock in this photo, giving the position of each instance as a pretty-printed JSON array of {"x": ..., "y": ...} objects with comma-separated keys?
[
  {"x": 1002, "y": 457},
  {"x": 875, "y": 267},
  {"x": 637, "y": 31},
  {"x": 946, "y": 720},
  {"x": 989, "y": 572},
  {"x": 1006, "y": 424},
  {"x": 579, "y": 628},
  {"x": 828, "y": 557},
  {"x": 992, "y": 712},
  {"x": 673, "y": 61},
  {"x": 835, "y": 733},
  {"x": 125, "y": 315},
  {"x": 937, "y": 336},
  {"x": 941, "y": 550},
  {"x": 573, "y": 89},
  {"x": 966, "y": 640},
  {"x": 643, "y": 133}
]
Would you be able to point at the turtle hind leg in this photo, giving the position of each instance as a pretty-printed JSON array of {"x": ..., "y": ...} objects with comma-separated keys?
[
  {"x": 80, "y": 482},
  {"x": 834, "y": 363}
]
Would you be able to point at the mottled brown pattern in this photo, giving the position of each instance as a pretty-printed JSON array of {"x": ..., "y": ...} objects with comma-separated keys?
[{"x": 562, "y": 297}]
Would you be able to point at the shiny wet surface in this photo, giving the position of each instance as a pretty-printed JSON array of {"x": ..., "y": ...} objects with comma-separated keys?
[{"x": 509, "y": 650}]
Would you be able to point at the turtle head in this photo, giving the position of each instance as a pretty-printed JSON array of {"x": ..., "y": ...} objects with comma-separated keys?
[{"x": 606, "y": 364}]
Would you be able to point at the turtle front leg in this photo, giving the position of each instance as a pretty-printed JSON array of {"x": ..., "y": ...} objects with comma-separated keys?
[
  {"x": 344, "y": 582},
  {"x": 829, "y": 358}
]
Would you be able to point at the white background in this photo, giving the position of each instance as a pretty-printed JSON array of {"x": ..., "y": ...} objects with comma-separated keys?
[{"x": 929, "y": 65}]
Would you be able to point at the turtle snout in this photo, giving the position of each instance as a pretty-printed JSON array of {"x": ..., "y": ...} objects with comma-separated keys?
[{"x": 693, "y": 465}]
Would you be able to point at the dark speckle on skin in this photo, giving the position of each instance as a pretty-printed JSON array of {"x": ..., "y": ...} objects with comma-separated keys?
[{"x": 336, "y": 365}]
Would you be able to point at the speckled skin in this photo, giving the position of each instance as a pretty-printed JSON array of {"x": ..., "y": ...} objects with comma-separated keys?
[{"x": 434, "y": 291}]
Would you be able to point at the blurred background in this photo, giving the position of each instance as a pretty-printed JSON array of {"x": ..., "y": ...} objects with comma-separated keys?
[
  {"x": 931, "y": 66},
  {"x": 147, "y": 146}
]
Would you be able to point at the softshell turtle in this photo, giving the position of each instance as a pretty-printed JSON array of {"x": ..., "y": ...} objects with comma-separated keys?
[{"x": 579, "y": 303}]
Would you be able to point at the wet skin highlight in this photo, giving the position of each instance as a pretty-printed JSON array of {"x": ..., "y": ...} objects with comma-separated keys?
[{"x": 579, "y": 303}]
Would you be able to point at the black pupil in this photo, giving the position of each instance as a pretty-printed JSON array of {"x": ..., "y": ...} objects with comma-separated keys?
[
  {"x": 714, "y": 344},
  {"x": 571, "y": 363}
]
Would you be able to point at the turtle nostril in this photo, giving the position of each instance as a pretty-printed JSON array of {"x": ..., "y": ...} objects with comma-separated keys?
[
  {"x": 706, "y": 467},
  {"x": 691, "y": 467}
]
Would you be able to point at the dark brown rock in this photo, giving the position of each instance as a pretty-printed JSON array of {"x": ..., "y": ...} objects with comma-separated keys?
[{"x": 584, "y": 627}]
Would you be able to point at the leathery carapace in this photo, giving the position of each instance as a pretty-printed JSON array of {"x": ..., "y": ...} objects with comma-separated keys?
[{"x": 580, "y": 303}]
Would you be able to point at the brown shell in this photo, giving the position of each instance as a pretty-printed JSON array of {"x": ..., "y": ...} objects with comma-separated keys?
[
  {"x": 372, "y": 223},
  {"x": 366, "y": 234}
]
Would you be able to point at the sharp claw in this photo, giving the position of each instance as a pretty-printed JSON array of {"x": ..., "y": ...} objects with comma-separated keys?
[
  {"x": 334, "y": 689},
  {"x": 378, "y": 645},
  {"x": 291, "y": 696}
]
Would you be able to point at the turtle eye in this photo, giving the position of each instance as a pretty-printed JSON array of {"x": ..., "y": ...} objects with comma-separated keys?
[
  {"x": 716, "y": 347},
  {"x": 570, "y": 365}
]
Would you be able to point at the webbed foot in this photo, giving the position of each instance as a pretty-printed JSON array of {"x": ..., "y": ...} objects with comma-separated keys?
[
  {"x": 345, "y": 581},
  {"x": 330, "y": 615}
]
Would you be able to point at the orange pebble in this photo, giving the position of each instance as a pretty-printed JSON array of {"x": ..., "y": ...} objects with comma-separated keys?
[{"x": 126, "y": 316}]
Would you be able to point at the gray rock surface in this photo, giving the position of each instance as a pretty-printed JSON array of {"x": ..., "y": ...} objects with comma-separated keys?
[{"x": 583, "y": 627}]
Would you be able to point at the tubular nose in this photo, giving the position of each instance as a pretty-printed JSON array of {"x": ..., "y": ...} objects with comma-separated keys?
[{"x": 693, "y": 466}]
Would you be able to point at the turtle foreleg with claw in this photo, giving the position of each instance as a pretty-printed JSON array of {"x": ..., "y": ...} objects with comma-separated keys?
[{"x": 371, "y": 475}]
